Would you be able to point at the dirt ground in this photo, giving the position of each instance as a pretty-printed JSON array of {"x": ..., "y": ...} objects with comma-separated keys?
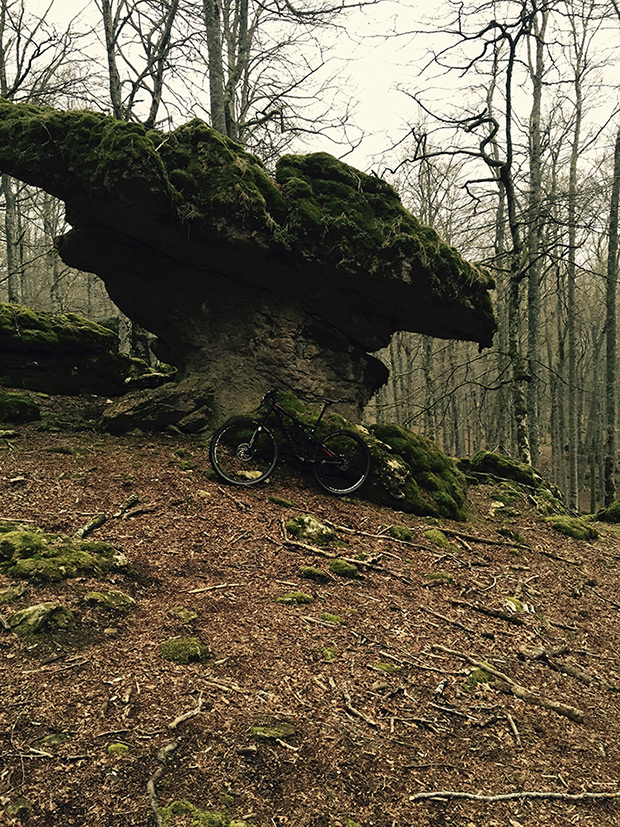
[{"x": 386, "y": 705}]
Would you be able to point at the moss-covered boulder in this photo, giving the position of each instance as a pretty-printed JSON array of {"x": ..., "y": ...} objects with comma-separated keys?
[
  {"x": 412, "y": 474},
  {"x": 573, "y": 527},
  {"x": 308, "y": 529},
  {"x": 44, "y": 621},
  {"x": 503, "y": 467},
  {"x": 17, "y": 407},
  {"x": 610, "y": 514},
  {"x": 295, "y": 599},
  {"x": 109, "y": 601},
  {"x": 59, "y": 353},
  {"x": 253, "y": 280},
  {"x": 35, "y": 555}
]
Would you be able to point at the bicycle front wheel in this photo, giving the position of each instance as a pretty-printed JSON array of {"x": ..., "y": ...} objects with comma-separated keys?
[
  {"x": 342, "y": 462},
  {"x": 243, "y": 451}
]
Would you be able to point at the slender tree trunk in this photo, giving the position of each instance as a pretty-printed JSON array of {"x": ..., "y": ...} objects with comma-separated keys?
[
  {"x": 610, "y": 330},
  {"x": 217, "y": 81}
]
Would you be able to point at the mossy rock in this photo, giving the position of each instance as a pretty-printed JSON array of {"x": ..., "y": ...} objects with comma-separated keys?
[
  {"x": 410, "y": 473},
  {"x": 184, "y": 650},
  {"x": 343, "y": 568},
  {"x": 54, "y": 739},
  {"x": 185, "y": 814},
  {"x": 19, "y": 808},
  {"x": 312, "y": 573},
  {"x": 573, "y": 527},
  {"x": 295, "y": 599},
  {"x": 283, "y": 502},
  {"x": 306, "y": 528},
  {"x": 31, "y": 554},
  {"x": 439, "y": 577},
  {"x": 401, "y": 532},
  {"x": 476, "y": 677},
  {"x": 278, "y": 731},
  {"x": 113, "y": 601},
  {"x": 49, "y": 621},
  {"x": 18, "y": 407},
  {"x": 437, "y": 538},
  {"x": 499, "y": 465},
  {"x": 9, "y": 594},
  {"x": 610, "y": 514}
]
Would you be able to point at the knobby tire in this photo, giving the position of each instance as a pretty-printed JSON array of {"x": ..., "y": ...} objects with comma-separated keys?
[
  {"x": 243, "y": 452},
  {"x": 342, "y": 463}
]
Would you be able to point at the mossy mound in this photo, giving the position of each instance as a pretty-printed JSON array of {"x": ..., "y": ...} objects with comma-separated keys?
[
  {"x": 401, "y": 532},
  {"x": 573, "y": 527},
  {"x": 113, "y": 601},
  {"x": 17, "y": 407},
  {"x": 295, "y": 599},
  {"x": 343, "y": 568},
  {"x": 184, "y": 814},
  {"x": 34, "y": 555},
  {"x": 308, "y": 529},
  {"x": 277, "y": 731},
  {"x": 10, "y": 594},
  {"x": 49, "y": 621},
  {"x": 610, "y": 514},
  {"x": 185, "y": 650},
  {"x": 499, "y": 465},
  {"x": 412, "y": 474},
  {"x": 313, "y": 573},
  {"x": 59, "y": 353}
]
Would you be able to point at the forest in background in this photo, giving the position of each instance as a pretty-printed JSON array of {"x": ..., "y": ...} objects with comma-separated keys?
[{"x": 511, "y": 151}]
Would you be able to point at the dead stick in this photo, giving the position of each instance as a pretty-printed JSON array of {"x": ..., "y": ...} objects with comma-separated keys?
[
  {"x": 439, "y": 794},
  {"x": 90, "y": 526},
  {"x": 151, "y": 787},
  {"x": 348, "y": 705},
  {"x": 213, "y": 588}
]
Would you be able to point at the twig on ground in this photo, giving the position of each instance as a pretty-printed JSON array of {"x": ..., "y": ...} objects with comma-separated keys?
[
  {"x": 498, "y": 613},
  {"x": 448, "y": 620},
  {"x": 90, "y": 526},
  {"x": 534, "y": 794},
  {"x": 151, "y": 788},
  {"x": 348, "y": 705},
  {"x": 513, "y": 727},
  {"x": 132, "y": 500},
  {"x": 213, "y": 588},
  {"x": 239, "y": 503}
]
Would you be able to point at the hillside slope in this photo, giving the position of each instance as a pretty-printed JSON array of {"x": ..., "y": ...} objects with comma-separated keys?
[{"x": 392, "y": 683}]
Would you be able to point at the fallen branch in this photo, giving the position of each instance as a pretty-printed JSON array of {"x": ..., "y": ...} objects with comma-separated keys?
[
  {"x": 213, "y": 588},
  {"x": 489, "y": 799},
  {"x": 348, "y": 705},
  {"x": 498, "y": 613},
  {"x": 522, "y": 692},
  {"x": 90, "y": 526},
  {"x": 151, "y": 788},
  {"x": 239, "y": 503},
  {"x": 366, "y": 563}
]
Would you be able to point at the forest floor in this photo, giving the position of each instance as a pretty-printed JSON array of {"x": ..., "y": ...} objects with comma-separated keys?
[{"x": 384, "y": 706}]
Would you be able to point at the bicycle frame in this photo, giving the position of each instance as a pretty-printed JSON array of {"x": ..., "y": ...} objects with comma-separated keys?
[{"x": 282, "y": 415}]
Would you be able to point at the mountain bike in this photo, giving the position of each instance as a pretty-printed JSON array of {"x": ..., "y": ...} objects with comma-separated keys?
[{"x": 244, "y": 451}]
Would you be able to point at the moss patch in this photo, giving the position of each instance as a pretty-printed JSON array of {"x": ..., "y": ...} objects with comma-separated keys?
[
  {"x": 437, "y": 538},
  {"x": 328, "y": 617},
  {"x": 312, "y": 573},
  {"x": 113, "y": 601},
  {"x": 118, "y": 749},
  {"x": 184, "y": 814},
  {"x": 611, "y": 514},
  {"x": 34, "y": 555},
  {"x": 10, "y": 594},
  {"x": 184, "y": 650},
  {"x": 400, "y": 532},
  {"x": 44, "y": 622},
  {"x": 343, "y": 568},
  {"x": 388, "y": 668},
  {"x": 295, "y": 599},
  {"x": 279, "y": 731},
  {"x": 18, "y": 407}
]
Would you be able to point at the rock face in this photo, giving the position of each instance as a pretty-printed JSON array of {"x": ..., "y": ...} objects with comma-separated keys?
[{"x": 249, "y": 281}]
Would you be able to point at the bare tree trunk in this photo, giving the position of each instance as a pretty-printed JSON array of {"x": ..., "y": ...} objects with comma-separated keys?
[
  {"x": 14, "y": 286},
  {"x": 610, "y": 329}
]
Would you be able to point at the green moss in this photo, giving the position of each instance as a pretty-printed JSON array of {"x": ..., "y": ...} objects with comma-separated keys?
[
  {"x": 186, "y": 615},
  {"x": 512, "y": 534},
  {"x": 279, "y": 731},
  {"x": 113, "y": 601},
  {"x": 184, "y": 814},
  {"x": 296, "y": 599},
  {"x": 412, "y": 474},
  {"x": 312, "y": 573},
  {"x": 343, "y": 568},
  {"x": 477, "y": 677},
  {"x": 184, "y": 650},
  {"x": 118, "y": 749},
  {"x": 400, "y": 532},
  {"x": 437, "y": 538},
  {"x": 10, "y": 594},
  {"x": 329, "y": 653},
  {"x": 388, "y": 668},
  {"x": 439, "y": 576},
  {"x": 330, "y": 618},
  {"x": 499, "y": 465},
  {"x": 48, "y": 621},
  {"x": 573, "y": 527},
  {"x": 281, "y": 501},
  {"x": 19, "y": 808}
]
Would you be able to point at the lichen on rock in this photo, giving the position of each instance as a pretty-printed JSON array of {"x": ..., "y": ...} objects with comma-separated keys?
[{"x": 308, "y": 529}]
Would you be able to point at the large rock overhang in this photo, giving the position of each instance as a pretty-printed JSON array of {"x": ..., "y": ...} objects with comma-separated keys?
[{"x": 170, "y": 220}]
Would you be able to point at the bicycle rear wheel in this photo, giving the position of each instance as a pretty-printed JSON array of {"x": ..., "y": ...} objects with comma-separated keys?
[
  {"x": 342, "y": 462},
  {"x": 243, "y": 452}
]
